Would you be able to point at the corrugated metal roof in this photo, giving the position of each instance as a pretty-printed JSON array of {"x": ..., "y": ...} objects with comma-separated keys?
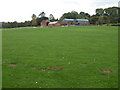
[
  {"x": 68, "y": 20},
  {"x": 52, "y": 22},
  {"x": 79, "y": 20},
  {"x": 75, "y": 20}
]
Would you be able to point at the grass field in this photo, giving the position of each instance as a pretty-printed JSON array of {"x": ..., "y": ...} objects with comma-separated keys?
[{"x": 60, "y": 57}]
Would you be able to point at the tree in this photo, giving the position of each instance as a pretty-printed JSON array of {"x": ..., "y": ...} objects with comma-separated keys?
[
  {"x": 107, "y": 15},
  {"x": 74, "y": 14},
  {"x": 51, "y": 18},
  {"x": 34, "y": 20},
  {"x": 27, "y": 23},
  {"x": 112, "y": 13},
  {"x": 94, "y": 19},
  {"x": 83, "y": 15},
  {"x": 70, "y": 15},
  {"x": 42, "y": 14},
  {"x": 99, "y": 11},
  {"x": 15, "y": 24},
  {"x": 103, "y": 20},
  {"x": 87, "y": 15},
  {"x": 40, "y": 19}
]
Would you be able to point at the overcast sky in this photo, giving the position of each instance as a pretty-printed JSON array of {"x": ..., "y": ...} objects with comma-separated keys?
[{"x": 21, "y": 10}]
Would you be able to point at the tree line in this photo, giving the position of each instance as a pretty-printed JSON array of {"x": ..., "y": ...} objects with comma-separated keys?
[{"x": 102, "y": 16}]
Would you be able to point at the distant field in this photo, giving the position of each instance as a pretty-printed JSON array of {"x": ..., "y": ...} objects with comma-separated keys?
[{"x": 60, "y": 57}]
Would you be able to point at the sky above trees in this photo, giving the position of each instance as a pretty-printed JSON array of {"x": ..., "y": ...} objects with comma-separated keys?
[{"x": 21, "y": 10}]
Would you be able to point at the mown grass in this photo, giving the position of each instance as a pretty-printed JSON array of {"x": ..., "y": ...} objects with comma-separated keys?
[{"x": 83, "y": 52}]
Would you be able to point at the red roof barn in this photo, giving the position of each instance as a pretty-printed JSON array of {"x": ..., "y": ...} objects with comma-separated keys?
[{"x": 45, "y": 23}]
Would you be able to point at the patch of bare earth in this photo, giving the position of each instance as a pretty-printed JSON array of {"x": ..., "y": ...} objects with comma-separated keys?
[
  {"x": 44, "y": 69},
  {"x": 56, "y": 68},
  {"x": 52, "y": 69},
  {"x": 13, "y": 65},
  {"x": 33, "y": 67},
  {"x": 106, "y": 71}
]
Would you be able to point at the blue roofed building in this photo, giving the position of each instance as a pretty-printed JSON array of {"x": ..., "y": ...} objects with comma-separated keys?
[
  {"x": 74, "y": 22},
  {"x": 68, "y": 20}
]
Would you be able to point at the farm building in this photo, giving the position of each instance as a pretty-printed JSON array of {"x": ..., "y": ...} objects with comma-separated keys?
[
  {"x": 82, "y": 22},
  {"x": 45, "y": 23},
  {"x": 65, "y": 22},
  {"x": 52, "y": 24},
  {"x": 75, "y": 22}
]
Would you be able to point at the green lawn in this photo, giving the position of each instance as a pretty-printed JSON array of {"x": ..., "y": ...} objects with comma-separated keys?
[{"x": 60, "y": 57}]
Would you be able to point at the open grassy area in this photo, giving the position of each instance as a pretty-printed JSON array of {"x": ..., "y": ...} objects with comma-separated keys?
[{"x": 60, "y": 57}]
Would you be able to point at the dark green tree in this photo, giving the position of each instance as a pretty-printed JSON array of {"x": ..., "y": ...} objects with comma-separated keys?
[
  {"x": 99, "y": 11},
  {"x": 83, "y": 15},
  {"x": 70, "y": 15},
  {"x": 51, "y": 18},
  {"x": 40, "y": 19},
  {"x": 42, "y": 14}
]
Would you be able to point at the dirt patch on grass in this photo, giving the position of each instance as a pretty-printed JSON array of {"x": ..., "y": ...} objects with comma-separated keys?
[
  {"x": 106, "y": 71},
  {"x": 51, "y": 69},
  {"x": 56, "y": 68},
  {"x": 43, "y": 69},
  {"x": 13, "y": 64},
  {"x": 33, "y": 67}
]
